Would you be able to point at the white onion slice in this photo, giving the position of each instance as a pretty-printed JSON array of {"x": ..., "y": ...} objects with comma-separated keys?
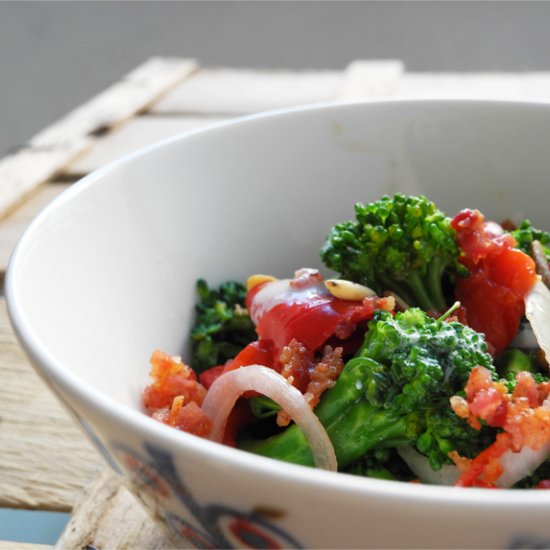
[
  {"x": 537, "y": 311},
  {"x": 226, "y": 389},
  {"x": 448, "y": 474},
  {"x": 521, "y": 464}
]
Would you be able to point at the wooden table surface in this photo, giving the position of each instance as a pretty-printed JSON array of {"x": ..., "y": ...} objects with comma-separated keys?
[{"x": 46, "y": 462}]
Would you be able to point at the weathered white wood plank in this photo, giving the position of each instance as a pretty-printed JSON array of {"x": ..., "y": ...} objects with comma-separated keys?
[
  {"x": 140, "y": 132},
  {"x": 14, "y": 225},
  {"x": 138, "y": 91},
  {"x": 370, "y": 80},
  {"x": 22, "y": 172},
  {"x": 360, "y": 80},
  {"x": 45, "y": 459},
  {"x": 516, "y": 86},
  {"x": 52, "y": 149},
  {"x": 108, "y": 517},
  {"x": 238, "y": 91}
]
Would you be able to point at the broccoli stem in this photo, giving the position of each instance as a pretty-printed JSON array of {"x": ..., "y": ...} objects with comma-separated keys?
[
  {"x": 353, "y": 424},
  {"x": 427, "y": 290}
]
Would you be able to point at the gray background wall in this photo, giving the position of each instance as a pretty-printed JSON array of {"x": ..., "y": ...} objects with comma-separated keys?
[{"x": 55, "y": 55}]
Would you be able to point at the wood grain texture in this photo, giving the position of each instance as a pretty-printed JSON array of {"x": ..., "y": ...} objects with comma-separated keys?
[
  {"x": 108, "y": 517},
  {"x": 139, "y": 132},
  {"x": 45, "y": 460},
  {"x": 239, "y": 91},
  {"x": 22, "y": 172},
  {"x": 51, "y": 150},
  {"x": 516, "y": 86},
  {"x": 364, "y": 80},
  {"x": 136, "y": 92}
]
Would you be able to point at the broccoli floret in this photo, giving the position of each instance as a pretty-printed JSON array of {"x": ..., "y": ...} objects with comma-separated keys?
[
  {"x": 512, "y": 361},
  {"x": 222, "y": 326},
  {"x": 400, "y": 243},
  {"x": 446, "y": 432},
  {"x": 525, "y": 234},
  {"x": 381, "y": 464},
  {"x": 395, "y": 392}
]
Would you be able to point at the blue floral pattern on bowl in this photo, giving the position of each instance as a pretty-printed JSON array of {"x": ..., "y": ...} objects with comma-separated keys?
[{"x": 209, "y": 525}]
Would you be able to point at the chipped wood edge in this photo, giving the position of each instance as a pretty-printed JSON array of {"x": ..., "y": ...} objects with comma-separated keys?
[
  {"x": 135, "y": 92},
  {"x": 109, "y": 517},
  {"x": 51, "y": 150},
  {"x": 23, "y": 172}
]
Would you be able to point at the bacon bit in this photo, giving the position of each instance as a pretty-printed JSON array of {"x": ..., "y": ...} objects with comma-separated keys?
[
  {"x": 461, "y": 462},
  {"x": 526, "y": 388},
  {"x": 310, "y": 377},
  {"x": 480, "y": 379},
  {"x": 297, "y": 363},
  {"x": 369, "y": 305},
  {"x": 171, "y": 378},
  {"x": 324, "y": 375},
  {"x": 188, "y": 417},
  {"x": 489, "y": 405},
  {"x": 399, "y": 303},
  {"x": 524, "y": 416},
  {"x": 484, "y": 470}
]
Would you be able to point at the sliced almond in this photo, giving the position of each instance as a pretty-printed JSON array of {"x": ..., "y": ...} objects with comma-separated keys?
[
  {"x": 258, "y": 279},
  {"x": 346, "y": 290}
]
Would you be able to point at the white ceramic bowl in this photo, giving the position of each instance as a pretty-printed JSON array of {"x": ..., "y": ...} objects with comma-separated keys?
[{"x": 106, "y": 274}]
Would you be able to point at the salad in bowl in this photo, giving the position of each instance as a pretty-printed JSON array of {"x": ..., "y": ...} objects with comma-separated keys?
[
  {"x": 341, "y": 372},
  {"x": 425, "y": 360}
]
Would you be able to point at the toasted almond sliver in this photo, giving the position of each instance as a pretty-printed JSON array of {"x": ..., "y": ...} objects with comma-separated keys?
[
  {"x": 258, "y": 279},
  {"x": 346, "y": 290}
]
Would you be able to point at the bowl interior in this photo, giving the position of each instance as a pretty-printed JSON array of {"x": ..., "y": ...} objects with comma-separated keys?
[{"x": 107, "y": 273}]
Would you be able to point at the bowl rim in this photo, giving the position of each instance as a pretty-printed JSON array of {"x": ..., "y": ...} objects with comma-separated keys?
[{"x": 60, "y": 377}]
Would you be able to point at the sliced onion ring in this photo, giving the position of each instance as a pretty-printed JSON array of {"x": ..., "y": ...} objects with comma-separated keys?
[
  {"x": 521, "y": 464},
  {"x": 419, "y": 464},
  {"x": 537, "y": 311},
  {"x": 226, "y": 389}
]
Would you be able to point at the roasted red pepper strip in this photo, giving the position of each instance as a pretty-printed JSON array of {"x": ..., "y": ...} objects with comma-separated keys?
[
  {"x": 500, "y": 277},
  {"x": 302, "y": 309}
]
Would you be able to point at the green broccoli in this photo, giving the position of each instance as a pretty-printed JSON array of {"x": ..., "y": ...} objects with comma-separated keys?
[
  {"x": 404, "y": 244},
  {"x": 381, "y": 464},
  {"x": 525, "y": 234},
  {"x": 512, "y": 361},
  {"x": 222, "y": 326},
  {"x": 542, "y": 473},
  {"x": 395, "y": 392}
]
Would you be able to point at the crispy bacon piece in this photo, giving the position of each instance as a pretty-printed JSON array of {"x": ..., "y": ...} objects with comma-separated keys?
[
  {"x": 311, "y": 377},
  {"x": 523, "y": 415},
  {"x": 188, "y": 417},
  {"x": 175, "y": 395}
]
